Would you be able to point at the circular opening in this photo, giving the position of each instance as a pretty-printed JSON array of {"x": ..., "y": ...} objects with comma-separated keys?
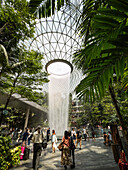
[{"x": 59, "y": 67}]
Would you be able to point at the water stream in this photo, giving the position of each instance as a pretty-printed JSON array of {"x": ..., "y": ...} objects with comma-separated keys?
[{"x": 59, "y": 103}]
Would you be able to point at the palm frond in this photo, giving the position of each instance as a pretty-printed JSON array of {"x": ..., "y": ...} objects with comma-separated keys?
[
  {"x": 125, "y": 80},
  {"x": 84, "y": 20},
  {"x": 98, "y": 77},
  {"x": 104, "y": 54},
  {"x": 119, "y": 5},
  {"x": 45, "y": 8}
]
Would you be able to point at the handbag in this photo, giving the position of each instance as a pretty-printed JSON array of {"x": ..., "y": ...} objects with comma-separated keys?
[{"x": 60, "y": 146}]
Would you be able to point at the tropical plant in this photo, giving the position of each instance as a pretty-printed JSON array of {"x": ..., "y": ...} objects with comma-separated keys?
[
  {"x": 104, "y": 52},
  {"x": 16, "y": 25},
  {"x": 24, "y": 79},
  {"x": 9, "y": 157},
  {"x": 45, "y": 8}
]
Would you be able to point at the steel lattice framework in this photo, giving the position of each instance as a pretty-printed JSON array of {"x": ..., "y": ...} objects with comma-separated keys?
[{"x": 57, "y": 39}]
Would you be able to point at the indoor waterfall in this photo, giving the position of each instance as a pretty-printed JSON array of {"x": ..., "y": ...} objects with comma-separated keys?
[{"x": 59, "y": 103}]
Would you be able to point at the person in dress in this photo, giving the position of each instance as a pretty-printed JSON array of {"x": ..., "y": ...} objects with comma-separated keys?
[
  {"x": 65, "y": 155},
  {"x": 54, "y": 141}
]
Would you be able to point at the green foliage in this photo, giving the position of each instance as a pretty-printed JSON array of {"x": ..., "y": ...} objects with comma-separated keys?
[
  {"x": 97, "y": 113},
  {"x": 105, "y": 50},
  {"x": 125, "y": 80},
  {"x": 16, "y": 21},
  {"x": 9, "y": 157},
  {"x": 21, "y": 70},
  {"x": 26, "y": 78},
  {"x": 14, "y": 118},
  {"x": 16, "y": 26},
  {"x": 122, "y": 98},
  {"x": 45, "y": 8},
  {"x": 103, "y": 111}
]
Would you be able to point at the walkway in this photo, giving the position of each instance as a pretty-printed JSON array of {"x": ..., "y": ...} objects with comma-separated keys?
[{"x": 92, "y": 156}]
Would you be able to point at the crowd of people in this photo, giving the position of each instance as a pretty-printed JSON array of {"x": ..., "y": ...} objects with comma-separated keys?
[{"x": 71, "y": 139}]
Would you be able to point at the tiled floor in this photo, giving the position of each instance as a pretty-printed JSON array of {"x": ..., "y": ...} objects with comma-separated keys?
[{"x": 92, "y": 156}]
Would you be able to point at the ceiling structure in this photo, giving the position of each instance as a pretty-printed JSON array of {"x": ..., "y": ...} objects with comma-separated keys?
[
  {"x": 23, "y": 104},
  {"x": 57, "y": 39}
]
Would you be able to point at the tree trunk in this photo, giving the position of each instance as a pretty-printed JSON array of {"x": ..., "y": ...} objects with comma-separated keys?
[
  {"x": 9, "y": 97},
  {"x": 124, "y": 127}
]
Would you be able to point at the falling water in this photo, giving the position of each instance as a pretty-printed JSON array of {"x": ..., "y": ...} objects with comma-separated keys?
[{"x": 59, "y": 103}]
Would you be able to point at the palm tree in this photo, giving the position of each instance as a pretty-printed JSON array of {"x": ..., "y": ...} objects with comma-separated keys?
[
  {"x": 45, "y": 8},
  {"x": 105, "y": 51}
]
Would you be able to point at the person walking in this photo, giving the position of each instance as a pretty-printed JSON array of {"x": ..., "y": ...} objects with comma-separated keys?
[
  {"x": 73, "y": 133},
  {"x": 54, "y": 141},
  {"x": 30, "y": 136},
  {"x": 93, "y": 135},
  {"x": 25, "y": 136},
  {"x": 65, "y": 155},
  {"x": 37, "y": 140},
  {"x": 84, "y": 133},
  {"x": 72, "y": 150},
  {"x": 109, "y": 138},
  {"x": 19, "y": 135},
  {"x": 48, "y": 134},
  {"x": 87, "y": 135},
  {"x": 79, "y": 137}
]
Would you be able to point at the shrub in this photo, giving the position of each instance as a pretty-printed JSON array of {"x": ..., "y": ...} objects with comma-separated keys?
[{"x": 9, "y": 156}]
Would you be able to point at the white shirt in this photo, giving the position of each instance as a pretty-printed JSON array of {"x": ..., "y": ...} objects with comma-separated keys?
[
  {"x": 37, "y": 137},
  {"x": 84, "y": 131},
  {"x": 73, "y": 133}
]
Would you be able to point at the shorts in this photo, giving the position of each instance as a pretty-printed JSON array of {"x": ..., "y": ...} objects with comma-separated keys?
[
  {"x": 74, "y": 137},
  {"x": 78, "y": 140}
]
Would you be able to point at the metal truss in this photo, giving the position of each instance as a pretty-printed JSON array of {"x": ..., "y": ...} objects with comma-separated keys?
[{"x": 56, "y": 37}]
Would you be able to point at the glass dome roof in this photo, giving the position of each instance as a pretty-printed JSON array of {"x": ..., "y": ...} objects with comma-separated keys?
[{"x": 56, "y": 38}]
